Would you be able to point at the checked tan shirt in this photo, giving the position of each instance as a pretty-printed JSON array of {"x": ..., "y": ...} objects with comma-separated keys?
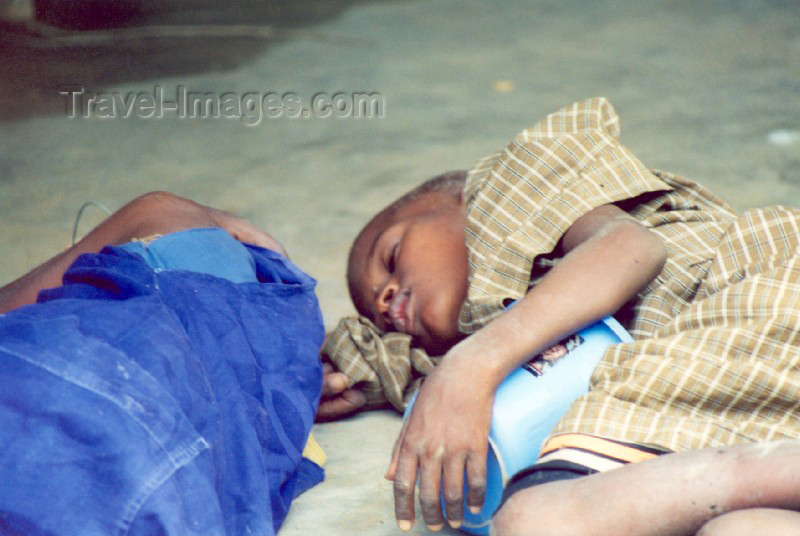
[{"x": 716, "y": 352}]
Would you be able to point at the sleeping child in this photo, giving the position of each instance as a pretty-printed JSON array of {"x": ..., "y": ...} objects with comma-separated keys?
[{"x": 569, "y": 223}]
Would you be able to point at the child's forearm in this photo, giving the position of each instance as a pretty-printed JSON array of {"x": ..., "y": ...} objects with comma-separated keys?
[
  {"x": 153, "y": 213},
  {"x": 594, "y": 279},
  {"x": 674, "y": 494}
]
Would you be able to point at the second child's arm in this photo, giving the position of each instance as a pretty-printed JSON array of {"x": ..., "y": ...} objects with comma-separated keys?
[
  {"x": 608, "y": 258},
  {"x": 147, "y": 215}
]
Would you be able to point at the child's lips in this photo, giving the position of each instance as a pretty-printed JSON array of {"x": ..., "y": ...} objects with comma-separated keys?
[{"x": 400, "y": 311}]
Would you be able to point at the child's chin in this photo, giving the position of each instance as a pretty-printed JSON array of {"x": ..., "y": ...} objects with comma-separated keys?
[{"x": 437, "y": 346}]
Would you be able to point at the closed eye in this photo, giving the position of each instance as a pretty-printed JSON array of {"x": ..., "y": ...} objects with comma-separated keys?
[{"x": 390, "y": 265}]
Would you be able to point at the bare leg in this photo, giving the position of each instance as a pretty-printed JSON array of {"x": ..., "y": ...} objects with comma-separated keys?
[
  {"x": 673, "y": 495},
  {"x": 752, "y": 521}
]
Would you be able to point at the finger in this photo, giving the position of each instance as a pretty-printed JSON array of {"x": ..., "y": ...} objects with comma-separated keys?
[
  {"x": 454, "y": 491},
  {"x": 271, "y": 242},
  {"x": 327, "y": 368},
  {"x": 348, "y": 402},
  {"x": 336, "y": 408},
  {"x": 246, "y": 231},
  {"x": 334, "y": 383},
  {"x": 390, "y": 472},
  {"x": 405, "y": 478},
  {"x": 430, "y": 481},
  {"x": 476, "y": 480}
]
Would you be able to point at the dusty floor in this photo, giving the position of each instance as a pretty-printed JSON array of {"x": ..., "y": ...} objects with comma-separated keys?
[{"x": 710, "y": 90}]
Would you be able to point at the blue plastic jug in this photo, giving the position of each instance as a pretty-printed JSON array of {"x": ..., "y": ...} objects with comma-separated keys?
[{"x": 527, "y": 405}]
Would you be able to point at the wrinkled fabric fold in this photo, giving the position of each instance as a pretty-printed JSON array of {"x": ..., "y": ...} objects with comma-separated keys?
[{"x": 383, "y": 365}]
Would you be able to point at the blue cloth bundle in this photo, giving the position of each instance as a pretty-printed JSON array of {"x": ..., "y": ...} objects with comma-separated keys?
[{"x": 160, "y": 390}]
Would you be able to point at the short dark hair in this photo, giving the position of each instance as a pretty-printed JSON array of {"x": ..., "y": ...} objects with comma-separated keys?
[{"x": 450, "y": 183}]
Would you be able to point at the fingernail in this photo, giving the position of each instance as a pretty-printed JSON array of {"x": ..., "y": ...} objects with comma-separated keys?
[
  {"x": 454, "y": 524},
  {"x": 435, "y": 528},
  {"x": 475, "y": 510},
  {"x": 404, "y": 524}
]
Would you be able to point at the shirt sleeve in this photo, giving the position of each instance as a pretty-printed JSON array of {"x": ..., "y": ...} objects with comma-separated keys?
[{"x": 521, "y": 200}]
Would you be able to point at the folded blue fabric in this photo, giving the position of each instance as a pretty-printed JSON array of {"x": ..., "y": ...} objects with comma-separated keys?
[
  {"x": 207, "y": 250},
  {"x": 169, "y": 401}
]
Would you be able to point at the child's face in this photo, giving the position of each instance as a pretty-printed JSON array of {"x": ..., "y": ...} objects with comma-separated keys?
[{"x": 410, "y": 272}]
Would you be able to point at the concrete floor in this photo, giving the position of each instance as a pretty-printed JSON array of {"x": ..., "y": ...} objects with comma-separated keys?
[{"x": 710, "y": 90}]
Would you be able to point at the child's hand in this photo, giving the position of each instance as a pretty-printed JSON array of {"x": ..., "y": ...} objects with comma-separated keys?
[
  {"x": 445, "y": 435},
  {"x": 245, "y": 231},
  {"x": 338, "y": 400}
]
